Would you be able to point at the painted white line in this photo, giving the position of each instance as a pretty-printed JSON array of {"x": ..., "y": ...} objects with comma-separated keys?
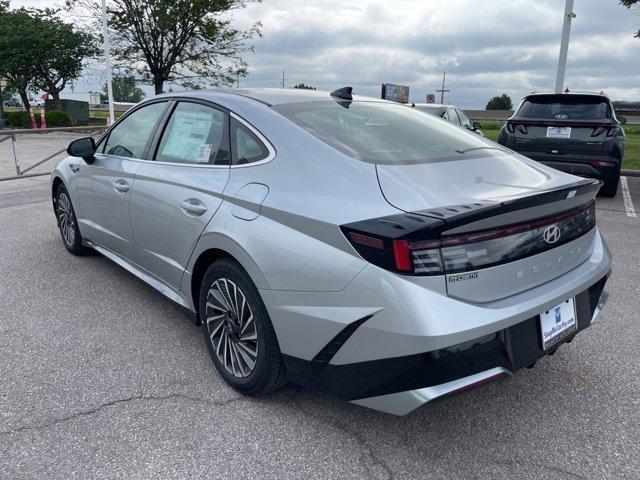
[{"x": 626, "y": 195}]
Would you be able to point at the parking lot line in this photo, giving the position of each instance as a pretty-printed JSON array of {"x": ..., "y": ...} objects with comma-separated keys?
[{"x": 626, "y": 195}]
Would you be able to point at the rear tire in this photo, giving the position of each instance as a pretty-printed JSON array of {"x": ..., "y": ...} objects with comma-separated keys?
[
  {"x": 238, "y": 331},
  {"x": 67, "y": 222},
  {"x": 610, "y": 187}
]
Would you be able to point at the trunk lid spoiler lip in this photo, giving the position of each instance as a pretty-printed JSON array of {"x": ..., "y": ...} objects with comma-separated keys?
[
  {"x": 454, "y": 216},
  {"x": 543, "y": 122}
]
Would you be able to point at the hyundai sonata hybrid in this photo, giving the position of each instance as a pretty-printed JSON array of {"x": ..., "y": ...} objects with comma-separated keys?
[{"x": 340, "y": 242}]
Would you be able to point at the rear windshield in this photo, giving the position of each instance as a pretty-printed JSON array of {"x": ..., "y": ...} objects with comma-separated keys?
[
  {"x": 386, "y": 133},
  {"x": 565, "y": 107}
]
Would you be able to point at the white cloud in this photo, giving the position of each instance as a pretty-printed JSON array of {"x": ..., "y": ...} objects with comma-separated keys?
[{"x": 486, "y": 46}]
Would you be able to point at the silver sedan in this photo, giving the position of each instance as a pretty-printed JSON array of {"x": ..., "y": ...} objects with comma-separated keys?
[{"x": 344, "y": 243}]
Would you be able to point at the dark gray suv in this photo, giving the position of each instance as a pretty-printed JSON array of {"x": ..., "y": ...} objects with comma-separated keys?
[{"x": 574, "y": 132}]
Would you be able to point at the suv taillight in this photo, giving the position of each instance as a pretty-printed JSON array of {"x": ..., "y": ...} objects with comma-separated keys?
[{"x": 460, "y": 253}]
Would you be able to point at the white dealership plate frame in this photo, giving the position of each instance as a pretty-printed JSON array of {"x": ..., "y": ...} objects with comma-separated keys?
[
  {"x": 559, "y": 132},
  {"x": 558, "y": 323}
]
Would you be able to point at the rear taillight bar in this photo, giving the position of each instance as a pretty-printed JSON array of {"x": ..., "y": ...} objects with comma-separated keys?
[{"x": 470, "y": 251}]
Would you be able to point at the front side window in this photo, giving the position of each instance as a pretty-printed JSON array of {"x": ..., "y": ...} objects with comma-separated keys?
[
  {"x": 129, "y": 138},
  {"x": 195, "y": 133},
  {"x": 565, "y": 107},
  {"x": 385, "y": 133},
  {"x": 248, "y": 147}
]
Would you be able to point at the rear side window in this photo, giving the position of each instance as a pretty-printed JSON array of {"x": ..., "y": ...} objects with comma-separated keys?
[
  {"x": 565, "y": 107},
  {"x": 195, "y": 134},
  {"x": 247, "y": 146},
  {"x": 129, "y": 138},
  {"x": 451, "y": 116}
]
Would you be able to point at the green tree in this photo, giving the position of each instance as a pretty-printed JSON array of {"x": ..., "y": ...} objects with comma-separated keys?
[
  {"x": 188, "y": 42},
  {"x": 502, "y": 102},
  {"x": 124, "y": 89},
  {"x": 19, "y": 49},
  {"x": 632, "y": 4},
  {"x": 63, "y": 51},
  {"x": 304, "y": 87}
]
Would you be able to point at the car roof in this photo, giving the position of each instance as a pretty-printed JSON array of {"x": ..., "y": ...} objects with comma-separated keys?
[
  {"x": 433, "y": 105},
  {"x": 576, "y": 93},
  {"x": 273, "y": 96}
]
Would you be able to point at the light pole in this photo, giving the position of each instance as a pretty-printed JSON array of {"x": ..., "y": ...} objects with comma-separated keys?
[
  {"x": 3, "y": 120},
  {"x": 564, "y": 45},
  {"x": 107, "y": 60}
]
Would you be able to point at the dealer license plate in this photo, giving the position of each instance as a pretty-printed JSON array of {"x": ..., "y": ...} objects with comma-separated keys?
[
  {"x": 558, "y": 132},
  {"x": 558, "y": 323}
]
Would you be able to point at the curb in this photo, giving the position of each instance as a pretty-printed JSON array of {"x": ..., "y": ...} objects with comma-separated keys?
[{"x": 630, "y": 173}]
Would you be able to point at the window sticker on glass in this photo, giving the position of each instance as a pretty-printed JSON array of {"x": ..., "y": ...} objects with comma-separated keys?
[
  {"x": 188, "y": 136},
  {"x": 205, "y": 153}
]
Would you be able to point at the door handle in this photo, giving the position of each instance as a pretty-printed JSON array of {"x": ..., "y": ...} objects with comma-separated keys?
[
  {"x": 120, "y": 186},
  {"x": 193, "y": 206}
]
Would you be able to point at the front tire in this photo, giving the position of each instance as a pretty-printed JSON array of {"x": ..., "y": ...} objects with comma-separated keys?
[
  {"x": 67, "y": 222},
  {"x": 237, "y": 330}
]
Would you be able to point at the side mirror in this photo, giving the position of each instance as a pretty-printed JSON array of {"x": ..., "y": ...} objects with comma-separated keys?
[
  {"x": 622, "y": 120},
  {"x": 476, "y": 125},
  {"x": 83, "y": 147}
]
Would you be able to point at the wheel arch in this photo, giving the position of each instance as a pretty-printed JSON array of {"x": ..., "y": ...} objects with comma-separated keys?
[
  {"x": 55, "y": 184},
  {"x": 210, "y": 249}
]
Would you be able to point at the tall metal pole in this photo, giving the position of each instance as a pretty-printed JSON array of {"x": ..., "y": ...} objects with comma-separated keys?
[
  {"x": 564, "y": 45},
  {"x": 443, "y": 89},
  {"x": 3, "y": 121},
  {"x": 282, "y": 78},
  {"x": 107, "y": 60}
]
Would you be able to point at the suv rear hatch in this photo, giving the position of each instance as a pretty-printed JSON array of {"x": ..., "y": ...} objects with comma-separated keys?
[{"x": 563, "y": 124}]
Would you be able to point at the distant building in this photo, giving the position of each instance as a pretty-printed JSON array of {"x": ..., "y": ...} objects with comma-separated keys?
[
  {"x": 629, "y": 108},
  {"x": 92, "y": 98}
]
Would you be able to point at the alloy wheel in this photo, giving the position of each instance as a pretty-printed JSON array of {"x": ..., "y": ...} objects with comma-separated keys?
[
  {"x": 232, "y": 328},
  {"x": 66, "y": 219}
]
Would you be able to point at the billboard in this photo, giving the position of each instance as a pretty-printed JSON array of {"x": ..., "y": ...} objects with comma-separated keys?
[{"x": 395, "y": 93}]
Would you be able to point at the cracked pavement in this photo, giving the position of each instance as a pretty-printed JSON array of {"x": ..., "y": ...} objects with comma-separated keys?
[{"x": 102, "y": 377}]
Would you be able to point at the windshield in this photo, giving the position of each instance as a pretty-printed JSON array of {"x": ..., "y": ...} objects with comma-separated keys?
[
  {"x": 565, "y": 107},
  {"x": 386, "y": 133}
]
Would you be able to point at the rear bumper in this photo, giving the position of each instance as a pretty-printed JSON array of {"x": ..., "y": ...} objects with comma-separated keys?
[
  {"x": 581, "y": 165},
  {"x": 384, "y": 338},
  {"x": 399, "y": 385}
]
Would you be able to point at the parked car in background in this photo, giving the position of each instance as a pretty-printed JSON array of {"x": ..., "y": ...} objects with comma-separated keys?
[
  {"x": 344, "y": 243},
  {"x": 451, "y": 114},
  {"x": 576, "y": 133},
  {"x": 14, "y": 103}
]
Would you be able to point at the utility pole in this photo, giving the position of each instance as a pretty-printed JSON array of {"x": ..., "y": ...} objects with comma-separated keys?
[
  {"x": 282, "y": 78},
  {"x": 107, "y": 61},
  {"x": 564, "y": 45},
  {"x": 3, "y": 121},
  {"x": 443, "y": 89}
]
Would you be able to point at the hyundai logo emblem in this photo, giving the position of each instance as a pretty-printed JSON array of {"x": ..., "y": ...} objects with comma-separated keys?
[
  {"x": 561, "y": 116},
  {"x": 551, "y": 234}
]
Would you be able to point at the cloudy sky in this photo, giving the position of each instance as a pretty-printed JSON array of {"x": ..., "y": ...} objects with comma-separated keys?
[{"x": 486, "y": 46}]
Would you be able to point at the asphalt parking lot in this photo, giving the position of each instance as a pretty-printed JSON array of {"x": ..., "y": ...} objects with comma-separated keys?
[{"x": 102, "y": 377}]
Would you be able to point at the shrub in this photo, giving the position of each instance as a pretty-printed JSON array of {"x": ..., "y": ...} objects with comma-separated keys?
[
  {"x": 18, "y": 119},
  {"x": 58, "y": 118}
]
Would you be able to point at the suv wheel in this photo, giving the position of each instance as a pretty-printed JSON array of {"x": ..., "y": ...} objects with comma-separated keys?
[
  {"x": 238, "y": 331},
  {"x": 610, "y": 187},
  {"x": 67, "y": 222}
]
